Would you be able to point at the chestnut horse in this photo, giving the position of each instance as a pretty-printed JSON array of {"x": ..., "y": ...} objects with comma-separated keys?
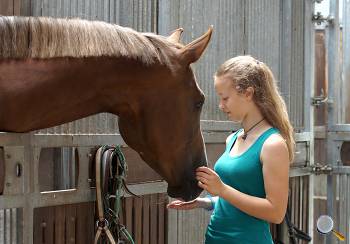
[{"x": 53, "y": 71}]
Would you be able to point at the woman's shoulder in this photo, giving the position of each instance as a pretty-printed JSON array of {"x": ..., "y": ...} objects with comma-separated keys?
[
  {"x": 275, "y": 141},
  {"x": 274, "y": 145}
]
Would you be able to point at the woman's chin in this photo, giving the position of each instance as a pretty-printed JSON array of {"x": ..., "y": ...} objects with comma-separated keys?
[{"x": 229, "y": 115}]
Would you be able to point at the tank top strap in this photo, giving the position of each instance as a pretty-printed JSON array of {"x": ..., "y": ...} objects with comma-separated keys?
[
  {"x": 260, "y": 141},
  {"x": 233, "y": 139}
]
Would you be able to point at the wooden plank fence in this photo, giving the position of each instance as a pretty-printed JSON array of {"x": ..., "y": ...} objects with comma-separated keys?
[{"x": 144, "y": 217}]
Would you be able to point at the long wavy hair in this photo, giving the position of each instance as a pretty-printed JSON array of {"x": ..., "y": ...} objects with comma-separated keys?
[{"x": 247, "y": 71}]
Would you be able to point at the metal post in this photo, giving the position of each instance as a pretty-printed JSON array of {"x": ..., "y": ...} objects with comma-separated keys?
[
  {"x": 332, "y": 35},
  {"x": 346, "y": 61},
  {"x": 309, "y": 81}
]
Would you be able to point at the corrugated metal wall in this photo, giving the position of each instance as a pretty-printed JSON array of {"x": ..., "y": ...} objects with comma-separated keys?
[
  {"x": 195, "y": 16},
  {"x": 241, "y": 28},
  {"x": 263, "y": 32},
  {"x": 343, "y": 194},
  {"x": 296, "y": 82}
]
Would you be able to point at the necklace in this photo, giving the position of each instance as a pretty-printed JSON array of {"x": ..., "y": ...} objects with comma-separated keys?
[{"x": 246, "y": 132}]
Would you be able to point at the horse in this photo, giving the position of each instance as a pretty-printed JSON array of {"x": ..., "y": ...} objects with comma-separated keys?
[{"x": 54, "y": 71}]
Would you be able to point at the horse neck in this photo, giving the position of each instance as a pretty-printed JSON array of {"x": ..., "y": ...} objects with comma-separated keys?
[{"x": 55, "y": 91}]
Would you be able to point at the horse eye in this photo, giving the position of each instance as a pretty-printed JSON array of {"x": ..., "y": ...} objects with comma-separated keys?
[{"x": 199, "y": 104}]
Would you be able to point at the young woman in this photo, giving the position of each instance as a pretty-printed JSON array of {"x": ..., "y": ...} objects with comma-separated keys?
[{"x": 249, "y": 184}]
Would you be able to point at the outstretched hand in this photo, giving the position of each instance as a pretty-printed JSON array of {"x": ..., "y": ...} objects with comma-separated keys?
[
  {"x": 180, "y": 205},
  {"x": 209, "y": 180},
  {"x": 199, "y": 202}
]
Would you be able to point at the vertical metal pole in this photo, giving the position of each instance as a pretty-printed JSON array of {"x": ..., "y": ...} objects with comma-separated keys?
[
  {"x": 309, "y": 81},
  {"x": 346, "y": 105},
  {"x": 285, "y": 75},
  {"x": 346, "y": 61},
  {"x": 332, "y": 35}
]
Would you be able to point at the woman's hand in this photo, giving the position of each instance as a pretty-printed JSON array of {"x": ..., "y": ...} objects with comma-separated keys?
[
  {"x": 199, "y": 202},
  {"x": 209, "y": 180}
]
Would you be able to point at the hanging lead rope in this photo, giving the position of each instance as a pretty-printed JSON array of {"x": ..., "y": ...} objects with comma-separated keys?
[
  {"x": 110, "y": 185},
  {"x": 294, "y": 232}
]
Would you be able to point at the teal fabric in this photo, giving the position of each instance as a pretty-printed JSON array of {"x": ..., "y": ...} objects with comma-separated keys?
[{"x": 229, "y": 225}]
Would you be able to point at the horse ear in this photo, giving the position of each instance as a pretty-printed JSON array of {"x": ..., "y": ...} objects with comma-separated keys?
[
  {"x": 175, "y": 36},
  {"x": 193, "y": 51}
]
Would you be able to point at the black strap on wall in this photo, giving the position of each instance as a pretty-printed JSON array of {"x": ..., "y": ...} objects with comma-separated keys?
[{"x": 294, "y": 232}]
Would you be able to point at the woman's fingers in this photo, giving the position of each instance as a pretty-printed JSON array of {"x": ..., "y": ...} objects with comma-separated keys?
[
  {"x": 202, "y": 179},
  {"x": 201, "y": 174},
  {"x": 177, "y": 204},
  {"x": 201, "y": 185},
  {"x": 205, "y": 170}
]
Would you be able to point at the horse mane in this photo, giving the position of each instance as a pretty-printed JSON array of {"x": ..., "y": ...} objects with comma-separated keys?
[{"x": 45, "y": 37}]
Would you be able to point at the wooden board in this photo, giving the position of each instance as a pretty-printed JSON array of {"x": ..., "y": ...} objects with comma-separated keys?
[
  {"x": 320, "y": 76},
  {"x": 66, "y": 224},
  {"x": 10, "y": 7}
]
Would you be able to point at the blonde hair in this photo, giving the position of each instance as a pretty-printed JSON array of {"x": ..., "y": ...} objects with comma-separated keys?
[{"x": 247, "y": 71}]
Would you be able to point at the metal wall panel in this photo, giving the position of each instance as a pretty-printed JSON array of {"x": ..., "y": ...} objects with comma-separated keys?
[
  {"x": 263, "y": 32},
  {"x": 346, "y": 63},
  {"x": 10, "y": 226},
  {"x": 241, "y": 28},
  {"x": 296, "y": 83},
  {"x": 343, "y": 220},
  {"x": 343, "y": 194},
  {"x": 195, "y": 16},
  {"x": 268, "y": 36}
]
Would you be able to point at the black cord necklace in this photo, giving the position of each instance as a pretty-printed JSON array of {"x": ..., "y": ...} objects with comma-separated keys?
[{"x": 246, "y": 132}]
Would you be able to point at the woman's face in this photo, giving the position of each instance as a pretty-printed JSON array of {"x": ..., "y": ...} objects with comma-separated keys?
[{"x": 230, "y": 101}]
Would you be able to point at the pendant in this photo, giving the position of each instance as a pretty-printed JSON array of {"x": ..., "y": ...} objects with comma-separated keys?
[{"x": 244, "y": 136}]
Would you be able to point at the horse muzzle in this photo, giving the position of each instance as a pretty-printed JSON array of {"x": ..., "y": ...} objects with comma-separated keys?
[{"x": 187, "y": 192}]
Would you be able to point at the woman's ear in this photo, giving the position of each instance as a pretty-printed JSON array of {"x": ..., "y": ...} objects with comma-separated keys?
[{"x": 249, "y": 93}]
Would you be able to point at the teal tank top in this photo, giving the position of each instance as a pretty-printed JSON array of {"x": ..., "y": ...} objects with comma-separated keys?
[{"x": 228, "y": 224}]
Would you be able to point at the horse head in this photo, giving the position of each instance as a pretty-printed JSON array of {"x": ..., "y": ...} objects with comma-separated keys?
[{"x": 163, "y": 125}]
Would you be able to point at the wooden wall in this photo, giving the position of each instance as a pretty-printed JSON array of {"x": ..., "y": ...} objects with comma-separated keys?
[
  {"x": 145, "y": 218},
  {"x": 10, "y": 7}
]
